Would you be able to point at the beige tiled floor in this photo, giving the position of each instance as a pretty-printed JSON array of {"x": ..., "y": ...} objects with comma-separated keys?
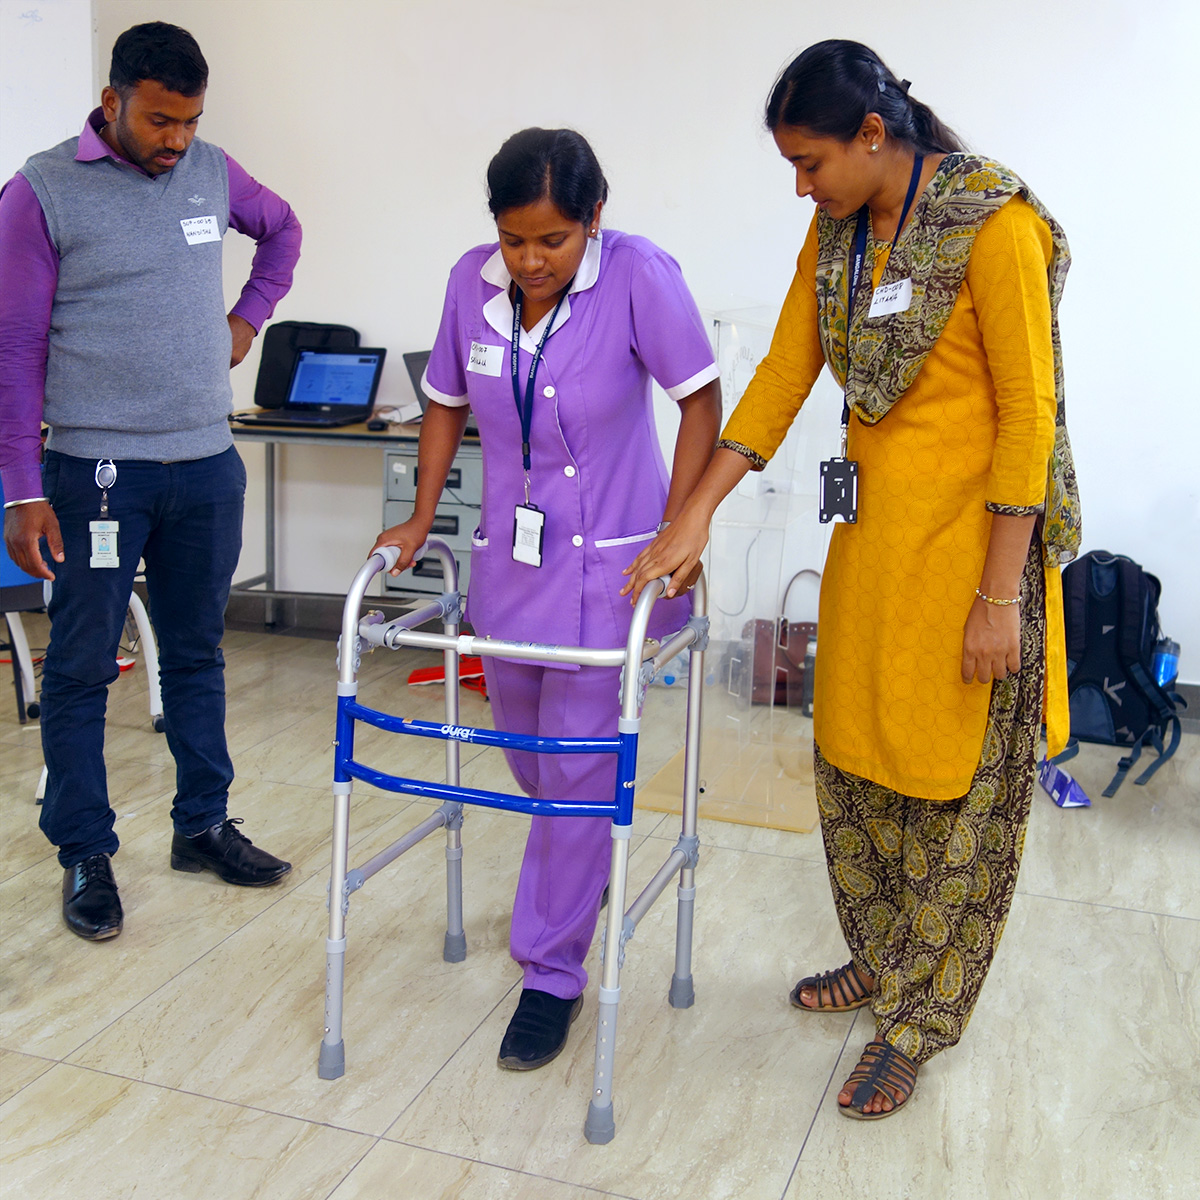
[{"x": 178, "y": 1061}]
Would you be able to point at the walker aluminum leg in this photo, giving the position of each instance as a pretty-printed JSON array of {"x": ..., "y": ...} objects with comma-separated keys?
[
  {"x": 600, "y": 1127},
  {"x": 682, "y": 993},
  {"x": 454, "y": 949},
  {"x": 331, "y": 1061}
]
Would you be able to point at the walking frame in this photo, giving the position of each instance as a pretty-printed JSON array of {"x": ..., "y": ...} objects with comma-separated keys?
[{"x": 640, "y": 660}]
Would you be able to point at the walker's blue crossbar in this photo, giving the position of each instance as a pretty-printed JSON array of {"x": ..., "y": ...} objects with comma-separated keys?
[
  {"x": 624, "y": 745},
  {"x": 640, "y": 660}
]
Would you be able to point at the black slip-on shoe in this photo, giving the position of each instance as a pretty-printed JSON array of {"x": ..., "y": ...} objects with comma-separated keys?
[
  {"x": 229, "y": 853},
  {"x": 537, "y": 1032},
  {"x": 91, "y": 906}
]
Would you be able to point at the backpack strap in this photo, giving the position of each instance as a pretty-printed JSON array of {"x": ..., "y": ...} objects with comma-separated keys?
[
  {"x": 1075, "y": 592},
  {"x": 1125, "y": 766},
  {"x": 1068, "y": 752},
  {"x": 1133, "y": 609},
  {"x": 1163, "y": 755}
]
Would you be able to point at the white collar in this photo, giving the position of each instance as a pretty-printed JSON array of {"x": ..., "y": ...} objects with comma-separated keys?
[{"x": 498, "y": 311}]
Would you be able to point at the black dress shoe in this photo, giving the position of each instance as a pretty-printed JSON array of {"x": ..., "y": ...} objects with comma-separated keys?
[
  {"x": 91, "y": 906},
  {"x": 537, "y": 1032},
  {"x": 229, "y": 853}
]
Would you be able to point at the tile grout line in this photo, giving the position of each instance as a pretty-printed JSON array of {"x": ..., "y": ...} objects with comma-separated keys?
[
  {"x": 1145, "y": 912},
  {"x": 817, "y": 1109},
  {"x": 483, "y": 1162}
]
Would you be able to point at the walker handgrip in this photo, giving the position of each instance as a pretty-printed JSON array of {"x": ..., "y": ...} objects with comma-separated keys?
[{"x": 389, "y": 554}]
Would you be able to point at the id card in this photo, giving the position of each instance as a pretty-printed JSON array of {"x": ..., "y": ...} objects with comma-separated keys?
[
  {"x": 104, "y": 544},
  {"x": 529, "y": 528},
  {"x": 839, "y": 491}
]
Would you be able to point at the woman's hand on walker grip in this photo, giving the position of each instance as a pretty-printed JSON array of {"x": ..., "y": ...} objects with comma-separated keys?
[
  {"x": 991, "y": 642},
  {"x": 408, "y": 538},
  {"x": 675, "y": 552}
]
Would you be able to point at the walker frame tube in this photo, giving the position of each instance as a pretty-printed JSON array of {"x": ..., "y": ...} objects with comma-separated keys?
[{"x": 639, "y": 667}]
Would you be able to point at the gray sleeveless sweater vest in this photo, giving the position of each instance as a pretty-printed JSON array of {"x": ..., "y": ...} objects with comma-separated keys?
[{"x": 138, "y": 363}]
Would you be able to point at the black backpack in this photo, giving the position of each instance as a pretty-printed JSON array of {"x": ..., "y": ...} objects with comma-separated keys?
[
  {"x": 279, "y": 346},
  {"x": 1111, "y": 610}
]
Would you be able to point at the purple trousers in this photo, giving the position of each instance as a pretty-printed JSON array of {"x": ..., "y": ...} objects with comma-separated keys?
[{"x": 567, "y": 859}]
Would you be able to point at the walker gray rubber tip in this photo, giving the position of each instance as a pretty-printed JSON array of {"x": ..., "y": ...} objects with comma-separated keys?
[
  {"x": 455, "y": 947},
  {"x": 599, "y": 1128},
  {"x": 331, "y": 1062},
  {"x": 682, "y": 993}
]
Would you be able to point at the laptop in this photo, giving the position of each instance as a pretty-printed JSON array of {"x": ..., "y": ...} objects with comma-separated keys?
[
  {"x": 416, "y": 361},
  {"x": 327, "y": 388}
]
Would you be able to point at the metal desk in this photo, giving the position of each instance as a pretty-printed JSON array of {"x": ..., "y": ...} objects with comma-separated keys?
[{"x": 270, "y": 436}]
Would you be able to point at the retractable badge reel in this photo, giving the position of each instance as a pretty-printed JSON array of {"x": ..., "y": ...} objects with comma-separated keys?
[{"x": 104, "y": 531}]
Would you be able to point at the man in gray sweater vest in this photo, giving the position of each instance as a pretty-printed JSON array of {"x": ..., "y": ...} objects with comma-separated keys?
[{"x": 113, "y": 330}]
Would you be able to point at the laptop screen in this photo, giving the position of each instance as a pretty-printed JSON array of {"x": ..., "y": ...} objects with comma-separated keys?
[{"x": 335, "y": 381}]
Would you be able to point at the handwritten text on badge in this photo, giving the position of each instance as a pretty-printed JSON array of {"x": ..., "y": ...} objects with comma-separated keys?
[
  {"x": 200, "y": 229},
  {"x": 891, "y": 298},
  {"x": 486, "y": 360}
]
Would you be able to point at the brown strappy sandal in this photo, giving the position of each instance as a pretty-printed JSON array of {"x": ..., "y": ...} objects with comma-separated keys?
[
  {"x": 843, "y": 987},
  {"x": 884, "y": 1070}
]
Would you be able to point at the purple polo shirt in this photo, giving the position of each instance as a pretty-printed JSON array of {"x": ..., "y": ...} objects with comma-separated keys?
[
  {"x": 596, "y": 468},
  {"x": 29, "y": 279}
]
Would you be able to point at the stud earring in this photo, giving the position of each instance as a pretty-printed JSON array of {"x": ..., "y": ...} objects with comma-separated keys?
[{"x": 874, "y": 147}]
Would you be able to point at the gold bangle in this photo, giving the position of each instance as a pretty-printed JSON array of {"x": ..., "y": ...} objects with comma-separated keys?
[{"x": 998, "y": 603}]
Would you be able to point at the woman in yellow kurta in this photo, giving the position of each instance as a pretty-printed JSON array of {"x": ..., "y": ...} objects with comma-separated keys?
[{"x": 941, "y": 616}]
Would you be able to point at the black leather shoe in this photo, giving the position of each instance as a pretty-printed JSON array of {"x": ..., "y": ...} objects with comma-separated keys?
[
  {"x": 537, "y": 1032},
  {"x": 229, "y": 853},
  {"x": 91, "y": 906}
]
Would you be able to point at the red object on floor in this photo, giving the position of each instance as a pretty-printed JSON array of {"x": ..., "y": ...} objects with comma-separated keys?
[
  {"x": 124, "y": 663},
  {"x": 470, "y": 674}
]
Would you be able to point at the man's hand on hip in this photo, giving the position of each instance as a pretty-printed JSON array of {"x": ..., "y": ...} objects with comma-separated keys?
[
  {"x": 243, "y": 334},
  {"x": 24, "y": 524}
]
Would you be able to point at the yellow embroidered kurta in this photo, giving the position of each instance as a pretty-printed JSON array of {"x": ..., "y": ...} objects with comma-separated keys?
[{"x": 975, "y": 428}]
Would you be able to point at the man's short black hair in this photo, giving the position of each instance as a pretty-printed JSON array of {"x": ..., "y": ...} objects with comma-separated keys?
[{"x": 165, "y": 53}]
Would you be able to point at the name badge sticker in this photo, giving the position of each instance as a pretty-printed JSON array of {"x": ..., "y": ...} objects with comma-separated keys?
[
  {"x": 891, "y": 298},
  {"x": 486, "y": 360},
  {"x": 201, "y": 229}
]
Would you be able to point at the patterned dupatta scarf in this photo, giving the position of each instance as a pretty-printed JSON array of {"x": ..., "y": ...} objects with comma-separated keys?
[{"x": 889, "y": 352}]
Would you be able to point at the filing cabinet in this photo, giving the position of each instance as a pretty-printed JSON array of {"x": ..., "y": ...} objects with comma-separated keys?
[{"x": 456, "y": 519}]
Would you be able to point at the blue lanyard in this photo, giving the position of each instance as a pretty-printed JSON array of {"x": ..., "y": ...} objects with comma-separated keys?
[
  {"x": 860, "y": 254},
  {"x": 526, "y": 409}
]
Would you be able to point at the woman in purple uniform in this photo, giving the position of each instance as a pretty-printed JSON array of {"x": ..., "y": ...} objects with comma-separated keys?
[{"x": 574, "y": 486}]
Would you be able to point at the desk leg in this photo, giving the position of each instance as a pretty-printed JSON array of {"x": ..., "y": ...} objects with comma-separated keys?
[{"x": 269, "y": 541}]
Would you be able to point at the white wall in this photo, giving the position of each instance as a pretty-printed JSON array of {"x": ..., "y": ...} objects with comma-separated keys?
[
  {"x": 46, "y": 75},
  {"x": 376, "y": 119}
]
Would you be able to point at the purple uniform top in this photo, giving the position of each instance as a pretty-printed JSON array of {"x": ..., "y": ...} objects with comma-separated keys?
[
  {"x": 596, "y": 468},
  {"x": 29, "y": 279}
]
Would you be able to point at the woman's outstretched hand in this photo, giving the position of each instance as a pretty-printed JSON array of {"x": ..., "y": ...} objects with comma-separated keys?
[
  {"x": 408, "y": 538},
  {"x": 675, "y": 552}
]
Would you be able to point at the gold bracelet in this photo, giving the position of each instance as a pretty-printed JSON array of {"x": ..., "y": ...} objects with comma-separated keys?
[{"x": 998, "y": 603}]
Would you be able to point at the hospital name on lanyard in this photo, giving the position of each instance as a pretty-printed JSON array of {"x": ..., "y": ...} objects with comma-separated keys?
[
  {"x": 529, "y": 522},
  {"x": 839, "y": 476}
]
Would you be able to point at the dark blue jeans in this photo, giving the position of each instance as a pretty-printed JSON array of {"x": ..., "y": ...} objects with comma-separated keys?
[{"x": 185, "y": 520}]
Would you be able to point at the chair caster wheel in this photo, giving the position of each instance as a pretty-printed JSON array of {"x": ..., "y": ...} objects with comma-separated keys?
[
  {"x": 159, "y": 724},
  {"x": 33, "y": 711}
]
